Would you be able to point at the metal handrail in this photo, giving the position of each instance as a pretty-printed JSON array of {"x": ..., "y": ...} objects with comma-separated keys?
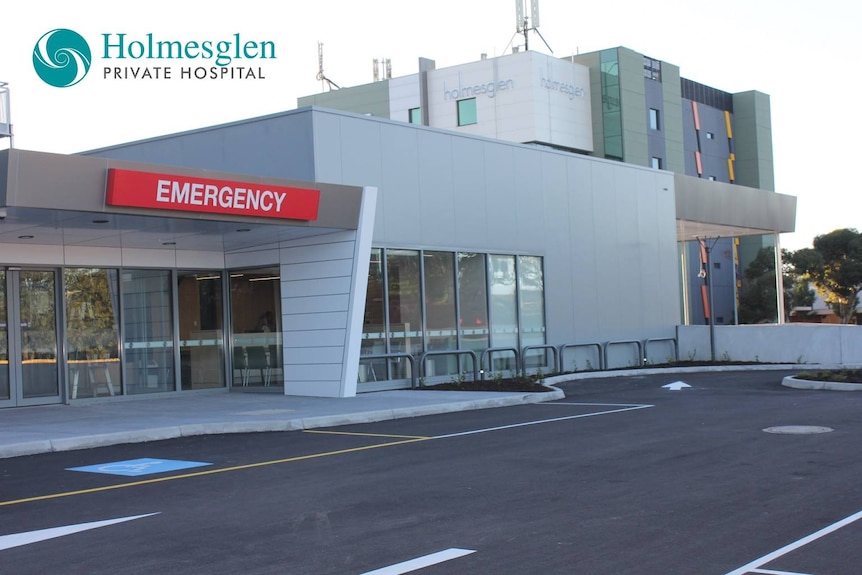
[
  {"x": 657, "y": 339},
  {"x": 410, "y": 358},
  {"x": 637, "y": 342},
  {"x": 450, "y": 352},
  {"x": 491, "y": 350},
  {"x": 554, "y": 368},
  {"x": 566, "y": 346}
]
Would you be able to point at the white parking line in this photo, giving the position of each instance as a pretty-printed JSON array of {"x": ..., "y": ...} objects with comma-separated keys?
[
  {"x": 769, "y": 572},
  {"x": 421, "y": 562},
  {"x": 526, "y": 423},
  {"x": 755, "y": 565}
]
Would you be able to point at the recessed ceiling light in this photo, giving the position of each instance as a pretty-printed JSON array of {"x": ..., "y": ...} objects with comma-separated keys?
[
  {"x": 101, "y": 221},
  {"x": 244, "y": 230},
  {"x": 25, "y": 237},
  {"x": 169, "y": 243}
]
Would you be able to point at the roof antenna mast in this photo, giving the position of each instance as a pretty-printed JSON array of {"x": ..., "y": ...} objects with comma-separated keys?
[
  {"x": 525, "y": 24},
  {"x": 320, "y": 76}
]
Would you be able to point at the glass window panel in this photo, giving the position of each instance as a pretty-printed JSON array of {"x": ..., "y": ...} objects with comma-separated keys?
[
  {"x": 441, "y": 334},
  {"x": 531, "y": 297},
  {"x": 38, "y": 334},
  {"x": 374, "y": 325},
  {"x": 258, "y": 356},
  {"x": 612, "y": 123},
  {"x": 473, "y": 301},
  {"x": 405, "y": 306},
  {"x": 148, "y": 331},
  {"x": 467, "y": 112},
  {"x": 201, "y": 322},
  {"x": 653, "y": 119},
  {"x": 92, "y": 332},
  {"x": 504, "y": 309},
  {"x": 415, "y": 116}
]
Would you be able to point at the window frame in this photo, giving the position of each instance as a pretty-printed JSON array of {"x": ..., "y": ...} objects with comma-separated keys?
[{"x": 462, "y": 119}]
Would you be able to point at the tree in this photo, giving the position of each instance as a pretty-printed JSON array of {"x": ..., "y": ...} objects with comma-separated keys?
[
  {"x": 757, "y": 301},
  {"x": 834, "y": 266}
]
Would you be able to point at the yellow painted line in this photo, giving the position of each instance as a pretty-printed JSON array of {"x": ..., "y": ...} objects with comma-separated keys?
[
  {"x": 208, "y": 472},
  {"x": 366, "y": 434}
]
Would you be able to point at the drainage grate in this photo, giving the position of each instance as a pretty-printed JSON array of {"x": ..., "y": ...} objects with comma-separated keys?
[{"x": 798, "y": 429}]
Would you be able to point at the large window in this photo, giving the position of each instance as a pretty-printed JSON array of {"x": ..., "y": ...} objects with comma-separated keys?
[
  {"x": 435, "y": 300},
  {"x": 405, "y": 305},
  {"x": 148, "y": 331},
  {"x": 257, "y": 345},
  {"x": 92, "y": 332},
  {"x": 201, "y": 321},
  {"x": 612, "y": 121},
  {"x": 467, "y": 112},
  {"x": 374, "y": 326},
  {"x": 654, "y": 120},
  {"x": 414, "y": 115}
]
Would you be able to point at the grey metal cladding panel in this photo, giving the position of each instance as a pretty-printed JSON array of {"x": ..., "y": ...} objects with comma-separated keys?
[
  {"x": 399, "y": 188},
  {"x": 5, "y": 159},
  {"x": 272, "y": 146},
  {"x": 701, "y": 200},
  {"x": 361, "y": 156},
  {"x": 366, "y": 99},
  {"x": 532, "y": 173},
  {"x": 471, "y": 192},
  {"x": 437, "y": 199},
  {"x": 58, "y": 181},
  {"x": 500, "y": 189}
]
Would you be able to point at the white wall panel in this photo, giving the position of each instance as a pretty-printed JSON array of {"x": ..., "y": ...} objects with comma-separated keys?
[
  {"x": 320, "y": 303},
  {"x": 316, "y": 253},
  {"x": 314, "y": 338},
  {"x": 87, "y": 257},
  {"x": 149, "y": 258},
  {"x": 316, "y": 356},
  {"x": 316, "y": 286},
  {"x": 317, "y": 269},
  {"x": 200, "y": 260}
]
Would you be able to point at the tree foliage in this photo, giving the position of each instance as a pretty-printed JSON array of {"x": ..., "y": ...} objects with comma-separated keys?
[
  {"x": 834, "y": 266},
  {"x": 757, "y": 301}
]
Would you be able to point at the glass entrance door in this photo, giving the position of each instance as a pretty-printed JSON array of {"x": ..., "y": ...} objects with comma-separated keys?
[{"x": 29, "y": 366}]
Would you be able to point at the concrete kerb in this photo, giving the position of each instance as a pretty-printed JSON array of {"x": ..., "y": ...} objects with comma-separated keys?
[{"x": 795, "y": 383}]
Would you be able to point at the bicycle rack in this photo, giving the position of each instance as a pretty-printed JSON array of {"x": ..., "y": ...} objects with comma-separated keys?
[
  {"x": 555, "y": 367},
  {"x": 598, "y": 347},
  {"x": 456, "y": 352},
  {"x": 637, "y": 342},
  {"x": 657, "y": 339},
  {"x": 491, "y": 350},
  {"x": 410, "y": 358}
]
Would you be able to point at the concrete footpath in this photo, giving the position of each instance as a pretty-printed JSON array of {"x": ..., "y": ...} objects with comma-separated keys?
[
  {"x": 42, "y": 429},
  {"x": 82, "y": 425}
]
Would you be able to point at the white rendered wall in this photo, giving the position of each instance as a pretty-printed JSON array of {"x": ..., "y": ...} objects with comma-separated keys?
[{"x": 524, "y": 97}]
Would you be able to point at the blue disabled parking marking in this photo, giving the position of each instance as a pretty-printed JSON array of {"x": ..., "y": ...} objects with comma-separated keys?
[{"x": 136, "y": 467}]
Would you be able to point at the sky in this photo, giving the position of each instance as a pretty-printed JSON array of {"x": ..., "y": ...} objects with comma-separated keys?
[{"x": 802, "y": 54}]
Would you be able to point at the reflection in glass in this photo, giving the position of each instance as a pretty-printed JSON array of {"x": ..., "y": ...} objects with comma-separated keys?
[
  {"x": 405, "y": 306},
  {"x": 92, "y": 332},
  {"x": 504, "y": 308},
  {"x": 199, "y": 296},
  {"x": 531, "y": 298},
  {"x": 38, "y": 334},
  {"x": 439, "y": 270},
  {"x": 148, "y": 331},
  {"x": 256, "y": 327},
  {"x": 4, "y": 341},
  {"x": 473, "y": 296},
  {"x": 374, "y": 325},
  {"x": 612, "y": 123}
]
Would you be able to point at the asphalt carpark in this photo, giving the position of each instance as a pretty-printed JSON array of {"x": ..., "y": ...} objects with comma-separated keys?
[{"x": 621, "y": 476}]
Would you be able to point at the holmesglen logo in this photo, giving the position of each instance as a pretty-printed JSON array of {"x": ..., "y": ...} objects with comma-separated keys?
[{"x": 62, "y": 58}]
